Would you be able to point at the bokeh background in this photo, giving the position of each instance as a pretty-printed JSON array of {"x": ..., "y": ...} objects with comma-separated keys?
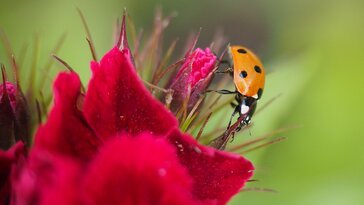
[{"x": 312, "y": 50}]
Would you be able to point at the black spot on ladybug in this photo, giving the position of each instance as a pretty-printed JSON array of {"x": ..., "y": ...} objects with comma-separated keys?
[
  {"x": 260, "y": 92},
  {"x": 243, "y": 74},
  {"x": 257, "y": 69},
  {"x": 240, "y": 50}
]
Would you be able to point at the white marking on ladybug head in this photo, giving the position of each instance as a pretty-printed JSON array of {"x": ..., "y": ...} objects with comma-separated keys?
[{"x": 244, "y": 109}]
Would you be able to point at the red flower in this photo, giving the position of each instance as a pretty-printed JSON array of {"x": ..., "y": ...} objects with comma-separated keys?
[{"x": 118, "y": 145}]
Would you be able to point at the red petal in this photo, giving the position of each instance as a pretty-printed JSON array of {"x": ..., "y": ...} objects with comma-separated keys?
[
  {"x": 47, "y": 179},
  {"x": 66, "y": 131},
  {"x": 117, "y": 101},
  {"x": 217, "y": 175},
  {"x": 139, "y": 170},
  {"x": 7, "y": 160}
]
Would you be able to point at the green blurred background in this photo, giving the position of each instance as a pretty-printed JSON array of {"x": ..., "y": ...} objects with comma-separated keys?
[{"x": 313, "y": 51}]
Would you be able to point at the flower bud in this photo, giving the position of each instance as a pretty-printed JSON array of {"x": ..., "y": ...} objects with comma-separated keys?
[
  {"x": 14, "y": 115},
  {"x": 193, "y": 78},
  {"x": 7, "y": 102}
]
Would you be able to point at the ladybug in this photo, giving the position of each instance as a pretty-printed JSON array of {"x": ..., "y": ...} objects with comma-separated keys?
[{"x": 249, "y": 79}]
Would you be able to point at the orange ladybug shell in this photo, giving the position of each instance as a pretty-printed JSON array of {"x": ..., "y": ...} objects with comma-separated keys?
[{"x": 249, "y": 74}]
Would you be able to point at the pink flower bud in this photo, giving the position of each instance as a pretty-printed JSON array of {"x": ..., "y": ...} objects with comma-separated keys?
[
  {"x": 193, "y": 77},
  {"x": 14, "y": 115}
]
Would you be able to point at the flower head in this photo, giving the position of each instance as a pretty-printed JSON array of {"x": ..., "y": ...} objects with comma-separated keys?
[{"x": 117, "y": 144}]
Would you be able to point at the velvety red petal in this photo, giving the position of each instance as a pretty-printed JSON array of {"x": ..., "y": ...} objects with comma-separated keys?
[
  {"x": 47, "y": 179},
  {"x": 138, "y": 170},
  {"x": 117, "y": 101},
  {"x": 8, "y": 159},
  {"x": 66, "y": 131},
  {"x": 217, "y": 175}
]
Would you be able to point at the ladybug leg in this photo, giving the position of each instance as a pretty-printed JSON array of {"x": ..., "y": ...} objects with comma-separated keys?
[
  {"x": 240, "y": 127},
  {"x": 233, "y": 105},
  {"x": 232, "y": 137},
  {"x": 222, "y": 91},
  {"x": 228, "y": 70},
  {"x": 225, "y": 62},
  {"x": 236, "y": 110}
]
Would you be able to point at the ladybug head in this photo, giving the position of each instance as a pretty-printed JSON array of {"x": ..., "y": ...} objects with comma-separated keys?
[{"x": 247, "y": 108}]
